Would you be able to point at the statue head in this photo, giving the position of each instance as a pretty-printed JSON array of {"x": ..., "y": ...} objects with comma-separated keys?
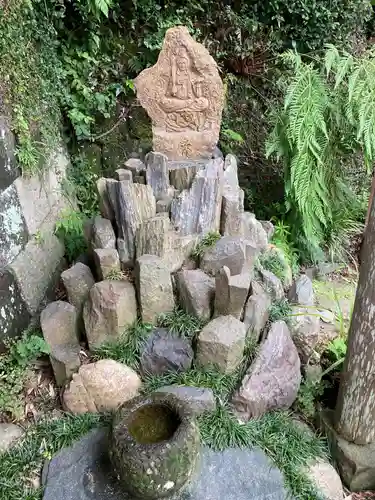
[{"x": 182, "y": 60}]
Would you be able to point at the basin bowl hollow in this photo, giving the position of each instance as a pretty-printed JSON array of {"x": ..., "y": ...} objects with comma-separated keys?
[{"x": 154, "y": 446}]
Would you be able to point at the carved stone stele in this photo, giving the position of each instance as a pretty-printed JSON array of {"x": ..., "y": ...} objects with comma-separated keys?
[{"x": 184, "y": 96}]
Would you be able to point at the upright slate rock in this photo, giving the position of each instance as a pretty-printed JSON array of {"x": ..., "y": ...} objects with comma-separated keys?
[
  {"x": 124, "y": 175},
  {"x": 110, "y": 308},
  {"x": 103, "y": 234},
  {"x": 234, "y": 252},
  {"x": 165, "y": 352},
  {"x": 231, "y": 293},
  {"x": 152, "y": 236},
  {"x": 78, "y": 281},
  {"x": 135, "y": 165},
  {"x": 157, "y": 174},
  {"x": 154, "y": 287},
  {"x": 253, "y": 231},
  {"x": 8, "y": 165},
  {"x": 302, "y": 291},
  {"x": 197, "y": 210},
  {"x": 59, "y": 323},
  {"x": 14, "y": 315},
  {"x": 13, "y": 230},
  {"x": 256, "y": 312},
  {"x": 183, "y": 172},
  {"x": 155, "y": 236},
  {"x": 306, "y": 332},
  {"x": 272, "y": 284},
  {"x": 196, "y": 292},
  {"x": 132, "y": 205},
  {"x": 233, "y": 200},
  {"x": 105, "y": 206},
  {"x": 107, "y": 261},
  {"x": 274, "y": 377},
  {"x": 221, "y": 343},
  {"x": 65, "y": 362}
]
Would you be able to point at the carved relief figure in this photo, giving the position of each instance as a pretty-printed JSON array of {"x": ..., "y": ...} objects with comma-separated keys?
[
  {"x": 184, "y": 103},
  {"x": 184, "y": 97}
]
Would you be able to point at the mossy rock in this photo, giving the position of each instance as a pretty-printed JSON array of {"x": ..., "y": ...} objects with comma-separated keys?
[{"x": 154, "y": 445}]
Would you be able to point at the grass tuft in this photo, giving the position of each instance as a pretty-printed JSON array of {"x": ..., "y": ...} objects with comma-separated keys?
[
  {"x": 280, "y": 310},
  {"x": 221, "y": 429},
  {"x": 288, "y": 446},
  {"x": 21, "y": 465},
  {"x": 221, "y": 384},
  {"x": 181, "y": 323},
  {"x": 116, "y": 275},
  {"x": 206, "y": 242},
  {"x": 128, "y": 348}
]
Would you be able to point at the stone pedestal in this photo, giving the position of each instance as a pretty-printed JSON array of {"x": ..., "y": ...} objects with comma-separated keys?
[{"x": 355, "y": 463}]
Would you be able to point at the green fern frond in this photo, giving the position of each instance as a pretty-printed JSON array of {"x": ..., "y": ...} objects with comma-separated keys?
[
  {"x": 344, "y": 66},
  {"x": 331, "y": 56}
]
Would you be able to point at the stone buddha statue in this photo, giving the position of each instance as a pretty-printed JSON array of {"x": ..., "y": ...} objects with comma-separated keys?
[{"x": 184, "y": 103}]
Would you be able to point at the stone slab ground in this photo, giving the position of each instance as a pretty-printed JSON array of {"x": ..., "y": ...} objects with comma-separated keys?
[{"x": 82, "y": 472}]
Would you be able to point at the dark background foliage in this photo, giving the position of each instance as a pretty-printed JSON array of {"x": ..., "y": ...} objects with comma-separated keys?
[{"x": 78, "y": 57}]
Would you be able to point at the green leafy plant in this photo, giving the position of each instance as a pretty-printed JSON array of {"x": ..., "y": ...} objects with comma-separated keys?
[
  {"x": 13, "y": 371},
  {"x": 308, "y": 394},
  {"x": 337, "y": 348},
  {"x": 128, "y": 348},
  {"x": 69, "y": 228},
  {"x": 27, "y": 348},
  {"x": 282, "y": 239},
  {"x": 325, "y": 120},
  {"x": 206, "y": 242},
  {"x": 181, "y": 323},
  {"x": 271, "y": 261},
  {"x": 229, "y": 139},
  {"x": 116, "y": 275},
  {"x": 280, "y": 310},
  {"x": 30, "y": 82},
  {"x": 81, "y": 182}
]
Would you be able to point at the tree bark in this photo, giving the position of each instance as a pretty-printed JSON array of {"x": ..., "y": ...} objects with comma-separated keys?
[
  {"x": 355, "y": 410},
  {"x": 371, "y": 197}
]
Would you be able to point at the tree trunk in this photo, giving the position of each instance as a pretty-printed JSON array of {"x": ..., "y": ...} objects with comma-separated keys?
[
  {"x": 371, "y": 197},
  {"x": 355, "y": 411}
]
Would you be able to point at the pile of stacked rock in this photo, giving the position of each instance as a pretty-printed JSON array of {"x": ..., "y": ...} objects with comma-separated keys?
[{"x": 153, "y": 214}]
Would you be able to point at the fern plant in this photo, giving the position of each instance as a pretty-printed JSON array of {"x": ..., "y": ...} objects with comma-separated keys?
[
  {"x": 327, "y": 117},
  {"x": 69, "y": 229}
]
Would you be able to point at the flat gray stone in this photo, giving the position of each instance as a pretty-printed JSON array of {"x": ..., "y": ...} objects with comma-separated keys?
[
  {"x": 9, "y": 434},
  {"x": 82, "y": 472},
  {"x": 198, "y": 399}
]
